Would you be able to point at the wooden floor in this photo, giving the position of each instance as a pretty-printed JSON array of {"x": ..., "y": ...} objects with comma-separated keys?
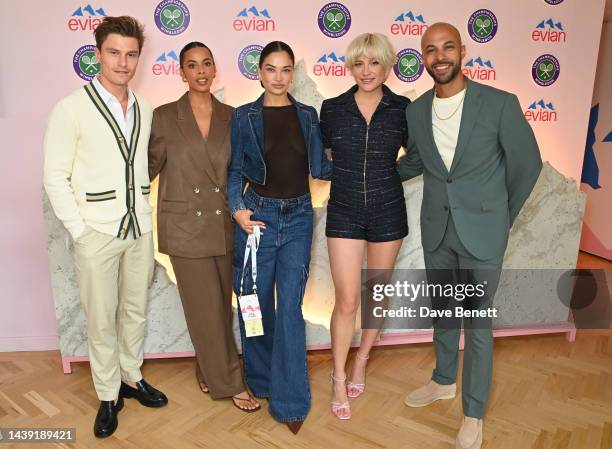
[{"x": 547, "y": 393}]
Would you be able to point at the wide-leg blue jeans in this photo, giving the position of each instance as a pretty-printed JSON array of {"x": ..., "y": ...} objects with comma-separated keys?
[{"x": 275, "y": 363}]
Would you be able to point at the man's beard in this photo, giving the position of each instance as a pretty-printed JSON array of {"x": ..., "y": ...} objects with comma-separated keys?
[{"x": 455, "y": 68}]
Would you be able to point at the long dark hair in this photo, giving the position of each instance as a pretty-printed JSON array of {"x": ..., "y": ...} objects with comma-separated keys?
[
  {"x": 273, "y": 47},
  {"x": 188, "y": 47}
]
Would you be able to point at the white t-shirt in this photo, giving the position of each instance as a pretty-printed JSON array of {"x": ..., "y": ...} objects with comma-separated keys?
[{"x": 446, "y": 132}]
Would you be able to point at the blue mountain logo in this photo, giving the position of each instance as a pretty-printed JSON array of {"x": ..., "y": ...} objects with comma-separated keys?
[
  {"x": 168, "y": 55},
  {"x": 551, "y": 25},
  {"x": 254, "y": 12},
  {"x": 479, "y": 62},
  {"x": 547, "y": 106},
  {"x": 89, "y": 10},
  {"x": 410, "y": 17},
  {"x": 331, "y": 57}
]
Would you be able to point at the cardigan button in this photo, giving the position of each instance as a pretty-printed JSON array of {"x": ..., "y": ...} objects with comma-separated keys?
[
  {"x": 196, "y": 190},
  {"x": 217, "y": 189},
  {"x": 198, "y": 213},
  {"x": 218, "y": 212}
]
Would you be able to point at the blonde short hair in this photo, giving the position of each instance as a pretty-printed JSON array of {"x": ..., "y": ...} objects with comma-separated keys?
[{"x": 371, "y": 45}]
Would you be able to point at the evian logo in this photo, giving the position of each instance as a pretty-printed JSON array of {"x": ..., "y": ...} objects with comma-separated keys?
[
  {"x": 479, "y": 69},
  {"x": 253, "y": 19},
  {"x": 86, "y": 18},
  {"x": 549, "y": 31},
  {"x": 540, "y": 111},
  {"x": 166, "y": 64},
  {"x": 408, "y": 24},
  {"x": 330, "y": 65}
]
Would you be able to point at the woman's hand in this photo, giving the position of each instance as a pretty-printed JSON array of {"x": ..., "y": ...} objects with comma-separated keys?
[
  {"x": 328, "y": 153},
  {"x": 243, "y": 218}
]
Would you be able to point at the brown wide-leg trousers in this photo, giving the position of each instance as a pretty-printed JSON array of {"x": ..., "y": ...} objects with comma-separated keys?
[{"x": 205, "y": 286}]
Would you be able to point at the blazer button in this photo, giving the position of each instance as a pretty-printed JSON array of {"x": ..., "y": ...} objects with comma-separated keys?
[
  {"x": 218, "y": 212},
  {"x": 449, "y": 180},
  {"x": 217, "y": 189},
  {"x": 196, "y": 190},
  {"x": 445, "y": 207},
  {"x": 198, "y": 213}
]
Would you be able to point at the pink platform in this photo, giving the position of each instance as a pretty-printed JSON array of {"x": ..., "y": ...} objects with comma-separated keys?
[{"x": 385, "y": 340}]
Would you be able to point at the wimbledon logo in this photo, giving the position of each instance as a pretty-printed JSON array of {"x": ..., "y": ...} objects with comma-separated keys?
[
  {"x": 172, "y": 17},
  {"x": 248, "y": 61},
  {"x": 334, "y": 20},
  {"x": 553, "y": 2},
  {"x": 482, "y": 26},
  {"x": 85, "y": 63},
  {"x": 409, "y": 65},
  {"x": 545, "y": 70}
]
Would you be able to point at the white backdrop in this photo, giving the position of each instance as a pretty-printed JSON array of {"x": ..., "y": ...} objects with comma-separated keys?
[{"x": 38, "y": 43}]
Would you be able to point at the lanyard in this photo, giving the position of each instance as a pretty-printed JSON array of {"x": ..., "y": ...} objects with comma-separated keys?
[{"x": 251, "y": 248}]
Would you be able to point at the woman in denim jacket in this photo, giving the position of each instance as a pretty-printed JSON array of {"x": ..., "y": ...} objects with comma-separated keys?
[{"x": 276, "y": 144}]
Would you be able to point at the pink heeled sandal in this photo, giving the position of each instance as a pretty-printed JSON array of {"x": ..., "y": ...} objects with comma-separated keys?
[
  {"x": 357, "y": 389},
  {"x": 338, "y": 406}
]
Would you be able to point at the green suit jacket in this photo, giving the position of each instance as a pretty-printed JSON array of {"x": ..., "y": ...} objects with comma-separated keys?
[{"x": 496, "y": 165}]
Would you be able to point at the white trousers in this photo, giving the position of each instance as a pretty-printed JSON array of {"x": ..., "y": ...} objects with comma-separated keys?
[{"x": 114, "y": 277}]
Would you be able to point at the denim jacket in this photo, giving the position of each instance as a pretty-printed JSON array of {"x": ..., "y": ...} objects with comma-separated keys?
[{"x": 248, "y": 161}]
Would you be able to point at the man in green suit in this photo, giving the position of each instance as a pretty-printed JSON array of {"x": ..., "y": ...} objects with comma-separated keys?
[{"x": 480, "y": 161}]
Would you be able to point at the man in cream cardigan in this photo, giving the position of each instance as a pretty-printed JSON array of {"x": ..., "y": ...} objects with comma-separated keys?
[{"x": 96, "y": 176}]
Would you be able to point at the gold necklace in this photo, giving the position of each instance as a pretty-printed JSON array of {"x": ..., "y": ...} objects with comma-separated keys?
[{"x": 454, "y": 112}]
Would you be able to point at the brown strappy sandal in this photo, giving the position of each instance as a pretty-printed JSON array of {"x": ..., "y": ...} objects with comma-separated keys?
[{"x": 246, "y": 410}]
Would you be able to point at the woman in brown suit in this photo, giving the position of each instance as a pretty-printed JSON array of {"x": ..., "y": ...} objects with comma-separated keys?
[{"x": 190, "y": 150}]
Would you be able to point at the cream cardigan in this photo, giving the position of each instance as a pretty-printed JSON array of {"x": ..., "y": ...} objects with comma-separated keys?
[{"x": 91, "y": 176}]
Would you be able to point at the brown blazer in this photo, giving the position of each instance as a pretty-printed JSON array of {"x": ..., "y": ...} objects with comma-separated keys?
[{"x": 193, "y": 219}]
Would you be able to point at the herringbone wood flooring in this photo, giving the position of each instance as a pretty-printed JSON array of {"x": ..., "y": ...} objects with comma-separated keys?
[{"x": 547, "y": 393}]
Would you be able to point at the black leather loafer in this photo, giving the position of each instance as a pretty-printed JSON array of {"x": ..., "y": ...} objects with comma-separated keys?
[
  {"x": 106, "y": 419},
  {"x": 143, "y": 393}
]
